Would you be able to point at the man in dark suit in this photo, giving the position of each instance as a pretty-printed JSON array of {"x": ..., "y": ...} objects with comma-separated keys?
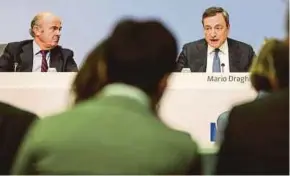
[
  {"x": 14, "y": 123},
  {"x": 42, "y": 53},
  {"x": 256, "y": 139},
  {"x": 217, "y": 52}
]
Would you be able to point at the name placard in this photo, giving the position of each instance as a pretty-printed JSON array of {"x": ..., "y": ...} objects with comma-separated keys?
[
  {"x": 229, "y": 78},
  {"x": 210, "y": 81}
]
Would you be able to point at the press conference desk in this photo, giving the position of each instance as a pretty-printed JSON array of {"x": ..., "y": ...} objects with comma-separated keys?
[{"x": 190, "y": 103}]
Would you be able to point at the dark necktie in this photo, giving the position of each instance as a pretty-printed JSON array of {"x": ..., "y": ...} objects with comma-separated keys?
[
  {"x": 216, "y": 67},
  {"x": 44, "y": 66}
]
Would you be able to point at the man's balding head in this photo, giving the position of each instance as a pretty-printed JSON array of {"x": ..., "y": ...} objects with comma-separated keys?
[
  {"x": 45, "y": 29},
  {"x": 39, "y": 18}
]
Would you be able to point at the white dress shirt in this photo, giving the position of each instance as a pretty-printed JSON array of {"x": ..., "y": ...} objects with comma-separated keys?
[
  {"x": 37, "y": 58},
  {"x": 223, "y": 55}
]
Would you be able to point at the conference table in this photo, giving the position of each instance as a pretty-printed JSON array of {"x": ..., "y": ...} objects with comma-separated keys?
[{"x": 191, "y": 102}]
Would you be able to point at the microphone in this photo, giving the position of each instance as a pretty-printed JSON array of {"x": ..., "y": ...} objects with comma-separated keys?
[
  {"x": 17, "y": 60},
  {"x": 15, "y": 66},
  {"x": 223, "y": 69}
]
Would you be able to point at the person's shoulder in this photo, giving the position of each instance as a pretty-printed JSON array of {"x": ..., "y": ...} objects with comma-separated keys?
[
  {"x": 188, "y": 141},
  {"x": 222, "y": 119},
  {"x": 273, "y": 103},
  {"x": 19, "y": 43},
  {"x": 194, "y": 43},
  {"x": 15, "y": 45},
  {"x": 238, "y": 43},
  {"x": 169, "y": 135},
  {"x": 259, "y": 115},
  {"x": 71, "y": 115},
  {"x": 183, "y": 139},
  {"x": 65, "y": 50},
  {"x": 42, "y": 129},
  {"x": 185, "y": 143},
  {"x": 271, "y": 98},
  {"x": 14, "y": 112},
  {"x": 275, "y": 99}
]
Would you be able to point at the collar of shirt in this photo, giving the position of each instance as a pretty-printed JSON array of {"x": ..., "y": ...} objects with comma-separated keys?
[
  {"x": 36, "y": 49},
  {"x": 224, "y": 48},
  {"x": 119, "y": 89}
]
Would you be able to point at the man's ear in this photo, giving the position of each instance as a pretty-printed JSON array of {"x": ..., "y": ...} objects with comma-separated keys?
[
  {"x": 36, "y": 30},
  {"x": 229, "y": 29}
]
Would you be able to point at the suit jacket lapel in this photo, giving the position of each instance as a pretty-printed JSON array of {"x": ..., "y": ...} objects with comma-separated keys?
[
  {"x": 234, "y": 56},
  {"x": 26, "y": 58},
  {"x": 56, "y": 60},
  {"x": 201, "y": 59}
]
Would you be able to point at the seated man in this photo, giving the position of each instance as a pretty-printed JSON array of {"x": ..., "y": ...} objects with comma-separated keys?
[
  {"x": 41, "y": 53},
  {"x": 217, "y": 52}
]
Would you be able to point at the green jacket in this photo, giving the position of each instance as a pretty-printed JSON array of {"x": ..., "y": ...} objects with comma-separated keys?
[{"x": 110, "y": 134}]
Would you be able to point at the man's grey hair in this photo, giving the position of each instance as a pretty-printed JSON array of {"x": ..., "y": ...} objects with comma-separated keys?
[
  {"x": 34, "y": 23},
  {"x": 212, "y": 11}
]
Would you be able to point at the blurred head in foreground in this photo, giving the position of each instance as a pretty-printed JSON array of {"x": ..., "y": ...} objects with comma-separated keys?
[
  {"x": 141, "y": 54},
  {"x": 91, "y": 78},
  {"x": 270, "y": 69}
]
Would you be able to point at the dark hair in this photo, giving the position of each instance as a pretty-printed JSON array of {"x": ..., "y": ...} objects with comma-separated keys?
[
  {"x": 261, "y": 83},
  {"x": 281, "y": 63},
  {"x": 212, "y": 11},
  {"x": 140, "y": 54},
  {"x": 271, "y": 63},
  {"x": 91, "y": 78}
]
